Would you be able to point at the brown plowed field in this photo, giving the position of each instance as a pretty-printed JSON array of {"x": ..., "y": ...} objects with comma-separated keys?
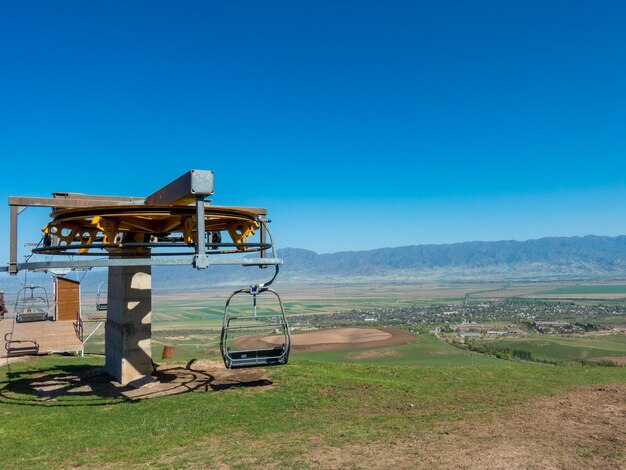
[{"x": 332, "y": 339}]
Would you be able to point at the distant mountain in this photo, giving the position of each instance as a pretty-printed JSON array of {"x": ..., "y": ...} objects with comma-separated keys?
[
  {"x": 590, "y": 255},
  {"x": 586, "y": 257}
]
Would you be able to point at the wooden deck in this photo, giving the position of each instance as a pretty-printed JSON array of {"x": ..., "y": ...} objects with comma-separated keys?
[{"x": 42, "y": 337}]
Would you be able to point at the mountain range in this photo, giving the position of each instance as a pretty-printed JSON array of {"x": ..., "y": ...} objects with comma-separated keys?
[
  {"x": 589, "y": 255},
  {"x": 583, "y": 257}
]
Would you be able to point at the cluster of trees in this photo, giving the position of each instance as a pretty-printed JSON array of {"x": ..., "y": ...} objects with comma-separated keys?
[
  {"x": 523, "y": 355},
  {"x": 601, "y": 363},
  {"x": 504, "y": 352}
]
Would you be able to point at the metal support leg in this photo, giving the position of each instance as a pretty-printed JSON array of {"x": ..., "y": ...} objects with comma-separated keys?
[
  {"x": 263, "y": 239},
  {"x": 15, "y": 210},
  {"x": 200, "y": 260}
]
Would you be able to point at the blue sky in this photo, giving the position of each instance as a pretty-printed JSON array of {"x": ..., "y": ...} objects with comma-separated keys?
[{"x": 358, "y": 124}]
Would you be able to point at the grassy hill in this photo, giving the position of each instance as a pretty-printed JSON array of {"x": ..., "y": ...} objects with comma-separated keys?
[{"x": 310, "y": 410}]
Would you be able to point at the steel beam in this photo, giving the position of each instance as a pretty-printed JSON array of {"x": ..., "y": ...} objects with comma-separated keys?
[
  {"x": 262, "y": 240},
  {"x": 184, "y": 190},
  {"x": 67, "y": 203},
  {"x": 164, "y": 261},
  {"x": 70, "y": 203},
  {"x": 13, "y": 244},
  {"x": 200, "y": 260},
  {"x": 254, "y": 210},
  {"x": 111, "y": 199}
]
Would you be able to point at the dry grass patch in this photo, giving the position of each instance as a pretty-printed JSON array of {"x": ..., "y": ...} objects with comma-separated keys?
[
  {"x": 373, "y": 354},
  {"x": 583, "y": 429}
]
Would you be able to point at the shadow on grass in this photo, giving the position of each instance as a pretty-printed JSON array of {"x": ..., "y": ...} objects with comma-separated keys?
[{"x": 88, "y": 385}]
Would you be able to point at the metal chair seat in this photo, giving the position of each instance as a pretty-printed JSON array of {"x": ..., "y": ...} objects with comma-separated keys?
[
  {"x": 263, "y": 351},
  {"x": 276, "y": 356}
]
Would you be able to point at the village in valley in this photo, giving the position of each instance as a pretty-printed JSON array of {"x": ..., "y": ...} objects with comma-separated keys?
[{"x": 482, "y": 319}]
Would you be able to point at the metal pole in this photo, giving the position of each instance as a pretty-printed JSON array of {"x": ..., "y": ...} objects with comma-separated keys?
[
  {"x": 263, "y": 239},
  {"x": 200, "y": 259},
  {"x": 13, "y": 247}
]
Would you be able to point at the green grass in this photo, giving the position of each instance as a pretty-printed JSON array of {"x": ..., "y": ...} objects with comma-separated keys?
[
  {"x": 593, "y": 289},
  {"x": 336, "y": 404},
  {"x": 335, "y": 399},
  {"x": 564, "y": 348}
]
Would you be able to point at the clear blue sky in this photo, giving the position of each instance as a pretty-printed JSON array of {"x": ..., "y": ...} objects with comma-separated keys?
[{"x": 358, "y": 124}]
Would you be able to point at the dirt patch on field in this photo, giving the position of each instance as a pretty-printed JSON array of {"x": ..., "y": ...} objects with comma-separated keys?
[
  {"x": 583, "y": 429},
  {"x": 5, "y": 361},
  {"x": 201, "y": 376},
  {"x": 332, "y": 339},
  {"x": 373, "y": 354}
]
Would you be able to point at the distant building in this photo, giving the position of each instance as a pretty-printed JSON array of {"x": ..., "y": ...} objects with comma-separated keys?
[
  {"x": 469, "y": 326},
  {"x": 468, "y": 334},
  {"x": 556, "y": 327}
]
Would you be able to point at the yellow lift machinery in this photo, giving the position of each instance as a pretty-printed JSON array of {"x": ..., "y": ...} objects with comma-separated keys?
[{"x": 176, "y": 225}]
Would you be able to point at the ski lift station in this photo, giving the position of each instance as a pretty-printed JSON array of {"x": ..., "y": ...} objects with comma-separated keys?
[{"x": 176, "y": 225}]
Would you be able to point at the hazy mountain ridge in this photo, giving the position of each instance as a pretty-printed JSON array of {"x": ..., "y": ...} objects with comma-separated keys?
[{"x": 557, "y": 256}]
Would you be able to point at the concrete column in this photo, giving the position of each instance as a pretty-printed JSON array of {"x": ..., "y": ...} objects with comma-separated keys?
[{"x": 129, "y": 325}]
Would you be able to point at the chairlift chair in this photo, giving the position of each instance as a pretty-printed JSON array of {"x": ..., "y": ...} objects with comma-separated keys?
[
  {"x": 101, "y": 297},
  {"x": 33, "y": 305},
  {"x": 255, "y": 340}
]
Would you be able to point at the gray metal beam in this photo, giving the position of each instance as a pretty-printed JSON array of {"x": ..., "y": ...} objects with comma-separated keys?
[
  {"x": 67, "y": 203},
  {"x": 70, "y": 203},
  {"x": 184, "y": 190},
  {"x": 163, "y": 261},
  {"x": 253, "y": 210},
  {"x": 13, "y": 243},
  {"x": 200, "y": 258},
  {"x": 112, "y": 199},
  {"x": 262, "y": 240}
]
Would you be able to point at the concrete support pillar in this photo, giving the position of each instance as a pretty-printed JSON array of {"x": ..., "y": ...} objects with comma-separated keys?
[{"x": 129, "y": 325}]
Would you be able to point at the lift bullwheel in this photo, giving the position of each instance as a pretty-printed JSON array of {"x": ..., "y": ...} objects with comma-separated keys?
[{"x": 89, "y": 231}]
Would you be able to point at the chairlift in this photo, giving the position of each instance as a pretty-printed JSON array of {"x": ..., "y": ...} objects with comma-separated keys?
[
  {"x": 32, "y": 304},
  {"x": 102, "y": 296},
  {"x": 255, "y": 340}
]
